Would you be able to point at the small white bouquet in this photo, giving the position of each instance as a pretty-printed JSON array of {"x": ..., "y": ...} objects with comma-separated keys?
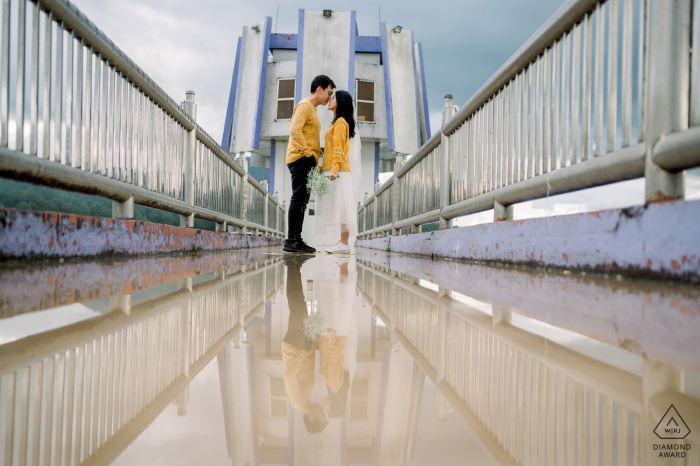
[
  {"x": 314, "y": 324},
  {"x": 318, "y": 183}
]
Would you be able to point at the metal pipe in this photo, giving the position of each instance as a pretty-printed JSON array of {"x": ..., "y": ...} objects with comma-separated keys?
[{"x": 678, "y": 151}]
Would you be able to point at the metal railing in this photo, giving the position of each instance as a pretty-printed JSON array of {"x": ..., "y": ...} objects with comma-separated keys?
[
  {"x": 598, "y": 95},
  {"x": 527, "y": 399},
  {"x": 77, "y": 113},
  {"x": 94, "y": 385}
]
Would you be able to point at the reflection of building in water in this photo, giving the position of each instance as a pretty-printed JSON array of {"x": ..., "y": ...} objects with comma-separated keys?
[{"x": 262, "y": 426}]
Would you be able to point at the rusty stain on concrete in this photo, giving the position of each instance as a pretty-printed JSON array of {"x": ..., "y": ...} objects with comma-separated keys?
[
  {"x": 35, "y": 235},
  {"x": 656, "y": 241}
]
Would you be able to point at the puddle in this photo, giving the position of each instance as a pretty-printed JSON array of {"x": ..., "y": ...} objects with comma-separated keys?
[{"x": 258, "y": 357}]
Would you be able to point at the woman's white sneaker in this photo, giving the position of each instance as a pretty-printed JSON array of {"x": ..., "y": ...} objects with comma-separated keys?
[{"x": 339, "y": 248}]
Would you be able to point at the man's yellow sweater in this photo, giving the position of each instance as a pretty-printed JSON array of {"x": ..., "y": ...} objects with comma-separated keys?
[{"x": 304, "y": 139}]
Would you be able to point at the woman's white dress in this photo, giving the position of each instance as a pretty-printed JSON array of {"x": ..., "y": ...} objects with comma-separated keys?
[{"x": 338, "y": 208}]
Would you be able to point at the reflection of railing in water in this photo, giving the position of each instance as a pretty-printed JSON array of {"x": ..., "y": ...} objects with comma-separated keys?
[
  {"x": 81, "y": 393},
  {"x": 528, "y": 400}
]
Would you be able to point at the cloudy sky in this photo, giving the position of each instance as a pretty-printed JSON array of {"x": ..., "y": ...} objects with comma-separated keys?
[{"x": 185, "y": 45}]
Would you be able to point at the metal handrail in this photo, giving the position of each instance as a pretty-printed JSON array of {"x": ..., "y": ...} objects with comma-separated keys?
[
  {"x": 127, "y": 140},
  {"x": 541, "y": 124}
]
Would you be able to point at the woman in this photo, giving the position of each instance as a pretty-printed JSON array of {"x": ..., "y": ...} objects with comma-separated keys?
[{"x": 337, "y": 210}]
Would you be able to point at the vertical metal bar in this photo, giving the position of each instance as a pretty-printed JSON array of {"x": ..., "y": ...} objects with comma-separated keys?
[
  {"x": 46, "y": 110},
  {"x": 118, "y": 152},
  {"x": 694, "y": 64},
  {"x": 112, "y": 158},
  {"x": 607, "y": 431},
  {"x": 129, "y": 132},
  {"x": 531, "y": 119},
  {"x": 90, "y": 153},
  {"x": 88, "y": 388},
  {"x": 23, "y": 403},
  {"x": 575, "y": 94},
  {"x": 517, "y": 124},
  {"x": 627, "y": 40},
  {"x": 10, "y": 417},
  {"x": 21, "y": 52},
  {"x": 79, "y": 107},
  {"x": 506, "y": 135},
  {"x": 556, "y": 90},
  {"x": 37, "y": 390},
  {"x": 488, "y": 145},
  {"x": 565, "y": 101},
  {"x": 47, "y": 408},
  {"x": 69, "y": 396},
  {"x": 641, "y": 69},
  {"x": 512, "y": 127},
  {"x": 105, "y": 162},
  {"x": 547, "y": 109},
  {"x": 59, "y": 392},
  {"x": 58, "y": 95},
  {"x": 599, "y": 105},
  {"x": 612, "y": 75},
  {"x": 69, "y": 101},
  {"x": 34, "y": 89},
  {"x": 526, "y": 77},
  {"x": 5, "y": 75},
  {"x": 539, "y": 114},
  {"x": 587, "y": 72}
]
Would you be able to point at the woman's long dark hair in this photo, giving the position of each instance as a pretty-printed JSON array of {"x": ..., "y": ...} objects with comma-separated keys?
[{"x": 345, "y": 109}]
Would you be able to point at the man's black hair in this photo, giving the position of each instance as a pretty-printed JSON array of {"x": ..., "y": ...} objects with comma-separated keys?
[{"x": 323, "y": 81}]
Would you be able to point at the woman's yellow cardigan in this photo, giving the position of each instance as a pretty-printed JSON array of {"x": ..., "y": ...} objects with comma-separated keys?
[{"x": 335, "y": 155}]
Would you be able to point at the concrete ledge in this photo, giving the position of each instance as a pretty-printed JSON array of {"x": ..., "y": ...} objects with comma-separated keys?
[
  {"x": 35, "y": 235},
  {"x": 658, "y": 241}
]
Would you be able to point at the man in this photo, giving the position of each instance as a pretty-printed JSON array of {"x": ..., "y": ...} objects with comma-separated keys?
[
  {"x": 302, "y": 156},
  {"x": 299, "y": 353}
]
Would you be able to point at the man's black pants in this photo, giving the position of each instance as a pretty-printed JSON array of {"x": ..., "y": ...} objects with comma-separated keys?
[{"x": 299, "y": 170}]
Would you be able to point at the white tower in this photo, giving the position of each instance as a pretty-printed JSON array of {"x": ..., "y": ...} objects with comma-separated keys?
[{"x": 273, "y": 72}]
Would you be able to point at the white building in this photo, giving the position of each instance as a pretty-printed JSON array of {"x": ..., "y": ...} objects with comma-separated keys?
[{"x": 273, "y": 72}]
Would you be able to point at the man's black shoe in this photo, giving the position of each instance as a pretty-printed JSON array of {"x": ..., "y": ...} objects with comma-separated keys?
[
  {"x": 293, "y": 246},
  {"x": 305, "y": 247}
]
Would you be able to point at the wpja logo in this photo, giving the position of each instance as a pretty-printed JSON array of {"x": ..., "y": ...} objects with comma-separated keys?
[{"x": 671, "y": 427}]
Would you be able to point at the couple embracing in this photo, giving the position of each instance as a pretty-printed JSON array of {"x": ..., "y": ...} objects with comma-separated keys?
[{"x": 336, "y": 211}]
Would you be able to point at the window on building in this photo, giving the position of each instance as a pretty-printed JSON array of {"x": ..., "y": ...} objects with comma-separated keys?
[
  {"x": 364, "y": 90},
  {"x": 285, "y": 98},
  {"x": 359, "y": 399},
  {"x": 278, "y": 398}
]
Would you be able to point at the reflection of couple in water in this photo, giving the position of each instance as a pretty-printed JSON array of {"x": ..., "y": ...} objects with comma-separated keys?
[{"x": 335, "y": 287}]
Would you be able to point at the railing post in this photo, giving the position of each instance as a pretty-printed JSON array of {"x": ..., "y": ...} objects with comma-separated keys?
[
  {"x": 185, "y": 341},
  {"x": 266, "y": 205},
  {"x": 501, "y": 212},
  {"x": 190, "y": 109},
  {"x": 244, "y": 193},
  {"x": 364, "y": 215},
  {"x": 396, "y": 193},
  {"x": 444, "y": 184},
  {"x": 278, "y": 224},
  {"x": 442, "y": 404},
  {"x": 123, "y": 209},
  {"x": 282, "y": 219},
  {"x": 377, "y": 185},
  {"x": 666, "y": 101}
]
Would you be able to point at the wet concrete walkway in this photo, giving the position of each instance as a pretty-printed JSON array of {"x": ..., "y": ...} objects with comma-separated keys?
[{"x": 260, "y": 357}]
